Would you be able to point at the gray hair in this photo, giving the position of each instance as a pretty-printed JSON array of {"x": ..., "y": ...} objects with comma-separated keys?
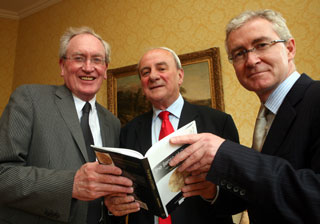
[
  {"x": 72, "y": 32},
  {"x": 174, "y": 55},
  {"x": 278, "y": 23}
]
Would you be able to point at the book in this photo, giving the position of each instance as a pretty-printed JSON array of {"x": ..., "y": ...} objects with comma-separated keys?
[{"x": 157, "y": 186}]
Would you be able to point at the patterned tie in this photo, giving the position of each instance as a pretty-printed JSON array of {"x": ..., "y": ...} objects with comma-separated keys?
[
  {"x": 166, "y": 129},
  {"x": 263, "y": 123},
  {"x": 94, "y": 207}
]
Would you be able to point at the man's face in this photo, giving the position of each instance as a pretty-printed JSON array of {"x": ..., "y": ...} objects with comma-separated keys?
[
  {"x": 262, "y": 72},
  {"x": 160, "y": 78},
  {"x": 84, "y": 78}
]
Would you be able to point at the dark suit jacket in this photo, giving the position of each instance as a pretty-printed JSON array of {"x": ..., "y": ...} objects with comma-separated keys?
[
  {"x": 41, "y": 148},
  {"x": 281, "y": 184},
  {"x": 137, "y": 135}
]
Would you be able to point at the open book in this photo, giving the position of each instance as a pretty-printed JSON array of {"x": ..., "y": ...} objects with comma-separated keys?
[{"x": 157, "y": 186}]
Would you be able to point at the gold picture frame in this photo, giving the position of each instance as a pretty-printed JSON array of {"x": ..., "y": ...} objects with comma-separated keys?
[{"x": 202, "y": 78}]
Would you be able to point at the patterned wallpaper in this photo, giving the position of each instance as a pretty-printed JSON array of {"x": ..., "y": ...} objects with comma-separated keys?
[
  {"x": 132, "y": 26},
  {"x": 8, "y": 40}
]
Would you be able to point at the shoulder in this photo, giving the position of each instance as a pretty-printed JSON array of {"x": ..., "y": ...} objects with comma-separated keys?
[
  {"x": 141, "y": 119},
  {"x": 35, "y": 89},
  {"x": 205, "y": 111},
  {"x": 106, "y": 114},
  {"x": 311, "y": 88},
  {"x": 34, "y": 92}
]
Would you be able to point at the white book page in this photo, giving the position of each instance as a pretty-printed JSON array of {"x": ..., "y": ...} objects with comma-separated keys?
[
  {"x": 123, "y": 151},
  {"x": 161, "y": 149}
]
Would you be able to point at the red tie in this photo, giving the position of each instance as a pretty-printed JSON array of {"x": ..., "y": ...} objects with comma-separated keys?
[
  {"x": 166, "y": 126},
  {"x": 166, "y": 129}
]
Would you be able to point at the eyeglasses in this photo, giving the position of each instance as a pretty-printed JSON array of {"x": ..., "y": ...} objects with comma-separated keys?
[
  {"x": 81, "y": 60},
  {"x": 240, "y": 56}
]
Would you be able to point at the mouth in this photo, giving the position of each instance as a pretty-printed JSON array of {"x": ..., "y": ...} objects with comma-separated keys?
[
  {"x": 87, "y": 78},
  {"x": 255, "y": 73},
  {"x": 155, "y": 87}
]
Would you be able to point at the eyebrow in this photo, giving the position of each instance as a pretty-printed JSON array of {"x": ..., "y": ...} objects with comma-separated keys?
[
  {"x": 85, "y": 55},
  {"x": 257, "y": 40},
  {"x": 157, "y": 64}
]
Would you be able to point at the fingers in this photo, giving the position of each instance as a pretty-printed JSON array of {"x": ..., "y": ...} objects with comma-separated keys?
[
  {"x": 121, "y": 204},
  {"x": 200, "y": 153},
  {"x": 93, "y": 180},
  {"x": 182, "y": 140},
  {"x": 205, "y": 189}
]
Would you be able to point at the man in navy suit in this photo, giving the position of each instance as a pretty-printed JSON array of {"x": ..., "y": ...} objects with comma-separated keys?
[
  {"x": 161, "y": 76},
  {"x": 282, "y": 183}
]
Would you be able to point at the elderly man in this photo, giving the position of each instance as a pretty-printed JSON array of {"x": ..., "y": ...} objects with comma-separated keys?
[
  {"x": 279, "y": 180},
  {"x": 161, "y": 76},
  {"x": 48, "y": 172}
]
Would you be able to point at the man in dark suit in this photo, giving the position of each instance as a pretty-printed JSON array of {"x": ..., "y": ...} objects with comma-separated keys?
[
  {"x": 282, "y": 183},
  {"x": 45, "y": 173},
  {"x": 161, "y": 76}
]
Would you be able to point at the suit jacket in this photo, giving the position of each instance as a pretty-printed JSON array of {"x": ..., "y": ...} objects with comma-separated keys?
[
  {"x": 41, "y": 148},
  {"x": 281, "y": 184},
  {"x": 137, "y": 135}
]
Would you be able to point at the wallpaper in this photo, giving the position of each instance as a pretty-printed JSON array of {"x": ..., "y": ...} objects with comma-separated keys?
[
  {"x": 132, "y": 26},
  {"x": 8, "y": 40}
]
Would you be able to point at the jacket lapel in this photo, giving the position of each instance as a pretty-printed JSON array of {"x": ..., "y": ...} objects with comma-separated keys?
[
  {"x": 143, "y": 132},
  {"x": 188, "y": 114},
  {"x": 285, "y": 116},
  {"x": 104, "y": 127},
  {"x": 65, "y": 104}
]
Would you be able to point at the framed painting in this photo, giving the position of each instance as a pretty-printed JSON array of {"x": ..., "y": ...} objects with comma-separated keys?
[{"x": 202, "y": 85}]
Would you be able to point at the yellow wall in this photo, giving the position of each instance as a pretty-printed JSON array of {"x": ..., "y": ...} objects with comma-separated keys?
[
  {"x": 8, "y": 40},
  {"x": 132, "y": 26}
]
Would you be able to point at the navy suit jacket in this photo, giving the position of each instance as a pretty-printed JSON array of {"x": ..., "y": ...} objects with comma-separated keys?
[
  {"x": 282, "y": 183},
  {"x": 137, "y": 135}
]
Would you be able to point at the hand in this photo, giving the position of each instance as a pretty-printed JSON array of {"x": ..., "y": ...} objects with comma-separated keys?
[
  {"x": 196, "y": 184},
  {"x": 94, "y": 180},
  {"x": 201, "y": 152},
  {"x": 121, "y": 204}
]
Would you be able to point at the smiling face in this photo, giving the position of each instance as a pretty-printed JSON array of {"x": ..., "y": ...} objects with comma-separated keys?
[
  {"x": 261, "y": 74},
  {"x": 160, "y": 78},
  {"x": 84, "y": 80}
]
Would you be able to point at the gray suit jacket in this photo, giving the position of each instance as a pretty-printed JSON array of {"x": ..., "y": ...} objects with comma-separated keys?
[{"x": 41, "y": 148}]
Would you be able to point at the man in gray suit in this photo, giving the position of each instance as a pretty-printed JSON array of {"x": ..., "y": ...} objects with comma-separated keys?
[{"x": 45, "y": 173}]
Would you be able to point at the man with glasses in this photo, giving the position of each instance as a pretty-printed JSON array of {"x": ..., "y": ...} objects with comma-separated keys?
[
  {"x": 48, "y": 172},
  {"x": 279, "y": 181}
]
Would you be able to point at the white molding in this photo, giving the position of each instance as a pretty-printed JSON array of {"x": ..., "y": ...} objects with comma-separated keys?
[
  {"x": 28, "y": 10},
  {"x": 36, "y": 7},
  {"x": 8, "y": 14}
]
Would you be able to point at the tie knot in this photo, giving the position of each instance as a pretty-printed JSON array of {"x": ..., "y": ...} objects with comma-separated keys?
[
  {"x": 164, "y": 115},
  {"x": 262, "y": 112},
  {"x": 86, "y": 108}
]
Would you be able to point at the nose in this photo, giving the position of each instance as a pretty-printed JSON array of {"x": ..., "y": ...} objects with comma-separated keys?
[
  {"x": 88, "y": 66},
  {"x": 252, "y": 58},
  {"x": 154, "y": 75}
]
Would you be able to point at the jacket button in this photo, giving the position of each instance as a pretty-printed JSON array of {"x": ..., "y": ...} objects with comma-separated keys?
[{"x": 242, "y": 192}]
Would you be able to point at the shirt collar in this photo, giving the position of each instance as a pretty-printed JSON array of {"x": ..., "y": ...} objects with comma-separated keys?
[
  {"x": 276, "y": 98},
  {"x": 175, "y": 108},
  {"x": 80, "y": 103}
]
